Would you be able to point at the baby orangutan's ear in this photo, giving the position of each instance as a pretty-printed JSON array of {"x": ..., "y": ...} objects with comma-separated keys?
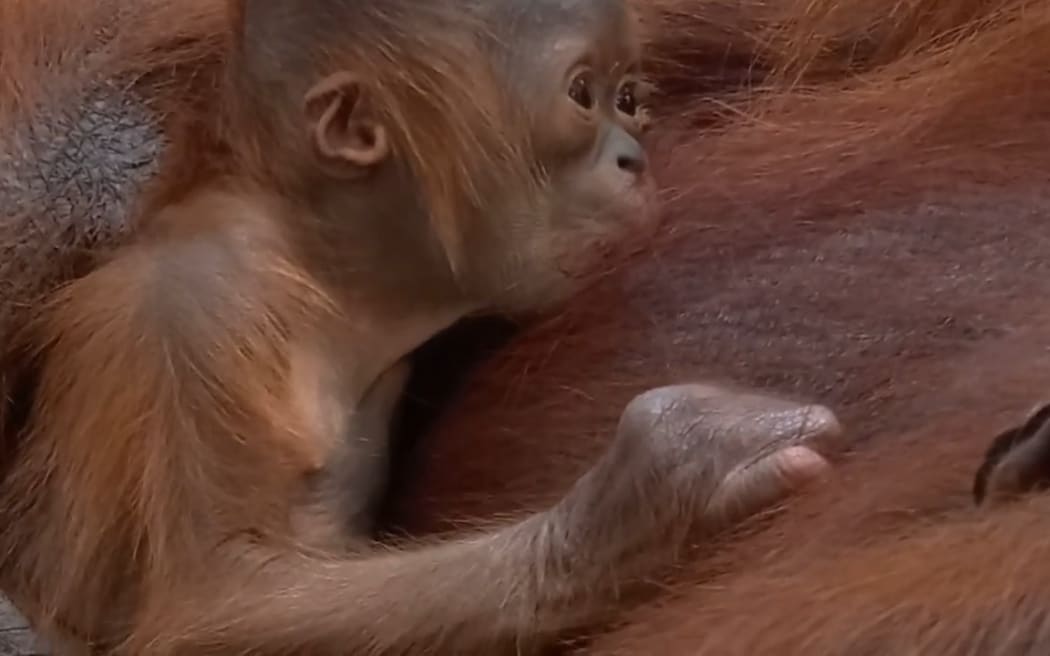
[{"x": 346, "y": 137}]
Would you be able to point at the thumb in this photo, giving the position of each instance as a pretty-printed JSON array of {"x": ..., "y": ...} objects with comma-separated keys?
[{"x": 762, "y": 483}]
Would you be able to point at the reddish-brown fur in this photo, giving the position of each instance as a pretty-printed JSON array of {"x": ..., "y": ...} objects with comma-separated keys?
[
  {"x": 868, "y": 231},
  {"x": 877, "y": 241}
]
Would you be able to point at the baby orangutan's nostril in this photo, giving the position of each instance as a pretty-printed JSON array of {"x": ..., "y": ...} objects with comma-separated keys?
[{"x": 632, "y": 163}]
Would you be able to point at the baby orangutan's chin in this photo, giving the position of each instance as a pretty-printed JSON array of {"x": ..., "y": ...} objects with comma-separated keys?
[
  {"x": 610, "y": 243},
  {"x": 593, "y": 255}
]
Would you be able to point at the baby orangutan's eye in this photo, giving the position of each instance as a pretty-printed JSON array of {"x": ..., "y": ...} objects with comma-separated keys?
[
  {"x": 580, "y": 91},
  {"x": 627, "y": 99}
]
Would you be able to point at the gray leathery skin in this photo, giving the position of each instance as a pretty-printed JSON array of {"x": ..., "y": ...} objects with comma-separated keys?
[{"x": 69, "y": 178}]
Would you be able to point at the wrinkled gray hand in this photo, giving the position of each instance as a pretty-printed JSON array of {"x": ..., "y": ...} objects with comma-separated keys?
[{"x": 731, "y": 453}]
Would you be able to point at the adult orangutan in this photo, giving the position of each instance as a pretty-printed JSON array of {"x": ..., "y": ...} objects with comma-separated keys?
[{"x": 289, "y": 200}]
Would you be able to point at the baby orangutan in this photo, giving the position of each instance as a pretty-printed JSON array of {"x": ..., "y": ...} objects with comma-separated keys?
[{"x": 208, "y": 426}]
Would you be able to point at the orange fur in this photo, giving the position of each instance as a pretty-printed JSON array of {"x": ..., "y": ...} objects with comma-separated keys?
[{"x": 860, "y": 220}]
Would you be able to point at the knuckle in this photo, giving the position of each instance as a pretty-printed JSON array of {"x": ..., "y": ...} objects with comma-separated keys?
[
  {"x": 653, "y": 420},
  {"x": 645, "y": 411},
  {"x": 666, "y": 403}
]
